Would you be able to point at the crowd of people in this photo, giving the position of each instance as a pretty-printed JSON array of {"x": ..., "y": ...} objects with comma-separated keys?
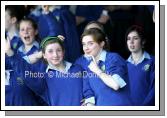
[{"x": 84, "y": 55}]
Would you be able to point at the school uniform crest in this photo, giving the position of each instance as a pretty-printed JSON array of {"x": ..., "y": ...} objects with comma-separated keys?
[
  {"x": 19, "y": 81},
  {"x": 15, "y": 45},
  {"x": 146, "y": 67},
  {"x": 57, "y": 18}
]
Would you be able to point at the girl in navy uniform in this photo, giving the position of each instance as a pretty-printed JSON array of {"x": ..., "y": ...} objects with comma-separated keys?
[
  {"x": 105, "y": 80},
  {"x": 61, "y": 83},
  {"x": 12, "y": 18},
  {"x": 19, "y": 93},
  {"x": 141, "y": 68},
  {"x": 67, "y": 21},
  {"x": 48, "y": 24}
]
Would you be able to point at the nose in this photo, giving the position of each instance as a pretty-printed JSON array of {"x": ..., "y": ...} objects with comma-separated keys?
[
  {"x": 55, "y": 54},
  {"x": 25, "y": 31},
  {"x": 86, "y": 48},
  {"x": 131, "y": 41}
]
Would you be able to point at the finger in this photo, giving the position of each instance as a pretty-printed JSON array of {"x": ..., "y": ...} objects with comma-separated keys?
[
  {"x": 93, "y": 59},
  {"x": 61, "y": 37},
  {"x": 83, "y": 104},
  {"x": 7, "y": 38},
  {"x": 82, "y": 100}
]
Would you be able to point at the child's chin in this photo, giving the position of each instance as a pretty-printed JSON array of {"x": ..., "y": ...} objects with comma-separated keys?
[{"x": 56, "y": 63}]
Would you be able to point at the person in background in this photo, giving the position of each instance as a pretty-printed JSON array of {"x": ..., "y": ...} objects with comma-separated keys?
[
  {"x": 141, "y": 68},
  {"x": 18, "y": 93}
]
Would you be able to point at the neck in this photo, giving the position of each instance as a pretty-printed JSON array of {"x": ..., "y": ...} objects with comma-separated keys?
[
  {"x": 137, "y": 56},
  {"x": 60, "y": 67},
  {"x": 98, "y": 56},
  {"x": 27, "y": 47}
]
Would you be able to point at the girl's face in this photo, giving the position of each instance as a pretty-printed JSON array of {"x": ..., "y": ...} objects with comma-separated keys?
[
  {"x": 8, "y": 21},
  {"x": 90, "y": 47},
  {"x": 54, "y": 54},
  {"x": 134, "y": 42},
  {"x": 27, "y": 32}
]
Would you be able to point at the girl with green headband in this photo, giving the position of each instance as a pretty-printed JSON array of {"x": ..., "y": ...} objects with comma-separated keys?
[{"x": 61, "y": 81}]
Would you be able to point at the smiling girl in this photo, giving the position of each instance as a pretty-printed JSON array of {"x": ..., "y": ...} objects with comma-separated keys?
[
  {"x": 61, "y": 83},
  {"x": 109, "y": 85}
]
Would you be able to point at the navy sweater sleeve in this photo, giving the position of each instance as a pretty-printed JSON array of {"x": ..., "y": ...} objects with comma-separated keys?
[{"x": 150, "y": 98}]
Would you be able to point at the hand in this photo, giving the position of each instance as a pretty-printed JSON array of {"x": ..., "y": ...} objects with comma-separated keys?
[
  {"x": 39, "y": 54},
  {"x": 103, "y": 19},
  {"x": 94, "y": 67},
  {"x": 8, "y": 46},
  {"x": 62, "y": 38},
  {"x": 87, "y": 104},
  {"x": 90, "y": 104},
  {"x": 45, "y": 9}
]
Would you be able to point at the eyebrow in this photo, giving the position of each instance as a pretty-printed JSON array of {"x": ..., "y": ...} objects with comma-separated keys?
[{"x": 89, "y": 42}]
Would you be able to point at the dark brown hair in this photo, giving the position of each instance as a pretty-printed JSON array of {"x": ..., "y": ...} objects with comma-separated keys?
[
  {"x": 139, "y": 31},
  {"x": 98, "y": 36}
]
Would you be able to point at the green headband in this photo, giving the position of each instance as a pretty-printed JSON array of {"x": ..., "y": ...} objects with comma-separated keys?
[{"x": 49, "y": 38}]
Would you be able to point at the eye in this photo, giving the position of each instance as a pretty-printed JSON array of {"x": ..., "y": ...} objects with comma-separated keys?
[
  {"x": 136, "y": 38},
  {"x": 90, "y": 43},
  {"x": 59, "y": 50},
  {"x": 29, "y": 28},
  {"x": 50, "y": 51},
  {"x": 128, "y": 38},
  {"x": 21, "y": 30}
]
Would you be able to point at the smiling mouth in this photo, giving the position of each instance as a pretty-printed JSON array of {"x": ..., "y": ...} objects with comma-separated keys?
[{"x": 55, "y": 59}]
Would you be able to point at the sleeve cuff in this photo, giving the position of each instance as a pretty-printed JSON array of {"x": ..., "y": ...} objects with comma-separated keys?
[
  {"x": 90, "y": 100},
  {"x": 119, "y": 80}
]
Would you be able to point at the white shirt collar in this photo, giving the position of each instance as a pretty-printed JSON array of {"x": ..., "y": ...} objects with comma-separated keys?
[
  {"x": 21, "y": 48},
  {"x": 67, "y": 67},
  {"x": 102, "y": 56},
  {"x": 145, "y": 56}
]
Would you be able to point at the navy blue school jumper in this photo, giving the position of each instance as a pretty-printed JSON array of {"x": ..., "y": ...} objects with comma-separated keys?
[
  {"x": 17, "y": 93},
  {"x": 15, "y": 43},
  {"x": 142, "y": 81},
  {"x": 93, "y": 86},
  {"x": 57, "y": 88}
]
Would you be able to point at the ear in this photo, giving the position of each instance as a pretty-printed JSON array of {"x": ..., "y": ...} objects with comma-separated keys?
[
  {"x": 143, "y": 43},
  {"x": 43, "y": 54},
  {"x": 102, "y": 44},
  {"x": 36, "y": 32},
  {"x": 14, "y": 20}
]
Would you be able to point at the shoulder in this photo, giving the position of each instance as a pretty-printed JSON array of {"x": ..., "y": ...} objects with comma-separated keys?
[
  {"x": 75, "y": 68},
  {"x": 80, "y": 60},
  {"x": 114, "y": 57}
]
